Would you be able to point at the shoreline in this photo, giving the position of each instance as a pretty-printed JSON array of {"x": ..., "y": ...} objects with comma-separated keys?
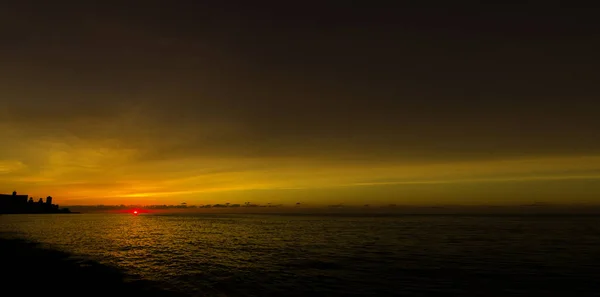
[{"x": 33, "y": 269}]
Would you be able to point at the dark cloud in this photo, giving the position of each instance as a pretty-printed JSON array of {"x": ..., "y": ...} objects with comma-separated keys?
[{"x": 330, "y": 80}]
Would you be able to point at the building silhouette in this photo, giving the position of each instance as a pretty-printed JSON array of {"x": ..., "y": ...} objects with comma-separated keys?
[{"x": 15, "y": 204}]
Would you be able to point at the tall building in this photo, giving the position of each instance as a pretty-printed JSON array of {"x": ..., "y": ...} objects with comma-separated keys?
[{"x": 13, "y": 202}]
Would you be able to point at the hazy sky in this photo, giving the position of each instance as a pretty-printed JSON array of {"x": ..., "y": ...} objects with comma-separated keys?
[{"x": 172, "y": 101}]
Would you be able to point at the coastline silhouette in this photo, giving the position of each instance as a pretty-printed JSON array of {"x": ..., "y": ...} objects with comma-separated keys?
[{"x": 23, "y": 204}]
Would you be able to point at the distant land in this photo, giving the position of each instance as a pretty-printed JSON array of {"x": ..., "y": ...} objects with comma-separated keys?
[{"x": 533, "y": 208}]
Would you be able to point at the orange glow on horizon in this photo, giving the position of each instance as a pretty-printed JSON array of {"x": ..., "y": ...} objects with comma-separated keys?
[{"x": 290, "y": 180}]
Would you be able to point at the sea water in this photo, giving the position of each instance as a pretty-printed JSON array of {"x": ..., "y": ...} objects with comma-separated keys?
[{"x": 334, "y": 255}]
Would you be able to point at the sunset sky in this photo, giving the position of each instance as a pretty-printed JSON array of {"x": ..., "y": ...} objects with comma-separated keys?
[{"x": 151, "y": 102}]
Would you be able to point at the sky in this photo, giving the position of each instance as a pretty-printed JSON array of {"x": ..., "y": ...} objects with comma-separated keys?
[{"x": 164, "y": 102}]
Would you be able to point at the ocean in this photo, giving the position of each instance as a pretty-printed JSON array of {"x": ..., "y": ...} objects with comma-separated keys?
[{"x": 334, "y": 255}]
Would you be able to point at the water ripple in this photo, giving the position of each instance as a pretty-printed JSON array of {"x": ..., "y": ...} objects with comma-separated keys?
[{"x": 343, "y": 256}]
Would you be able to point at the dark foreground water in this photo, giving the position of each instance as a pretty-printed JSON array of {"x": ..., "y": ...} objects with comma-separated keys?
[{"x": 270, "y": 255}]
